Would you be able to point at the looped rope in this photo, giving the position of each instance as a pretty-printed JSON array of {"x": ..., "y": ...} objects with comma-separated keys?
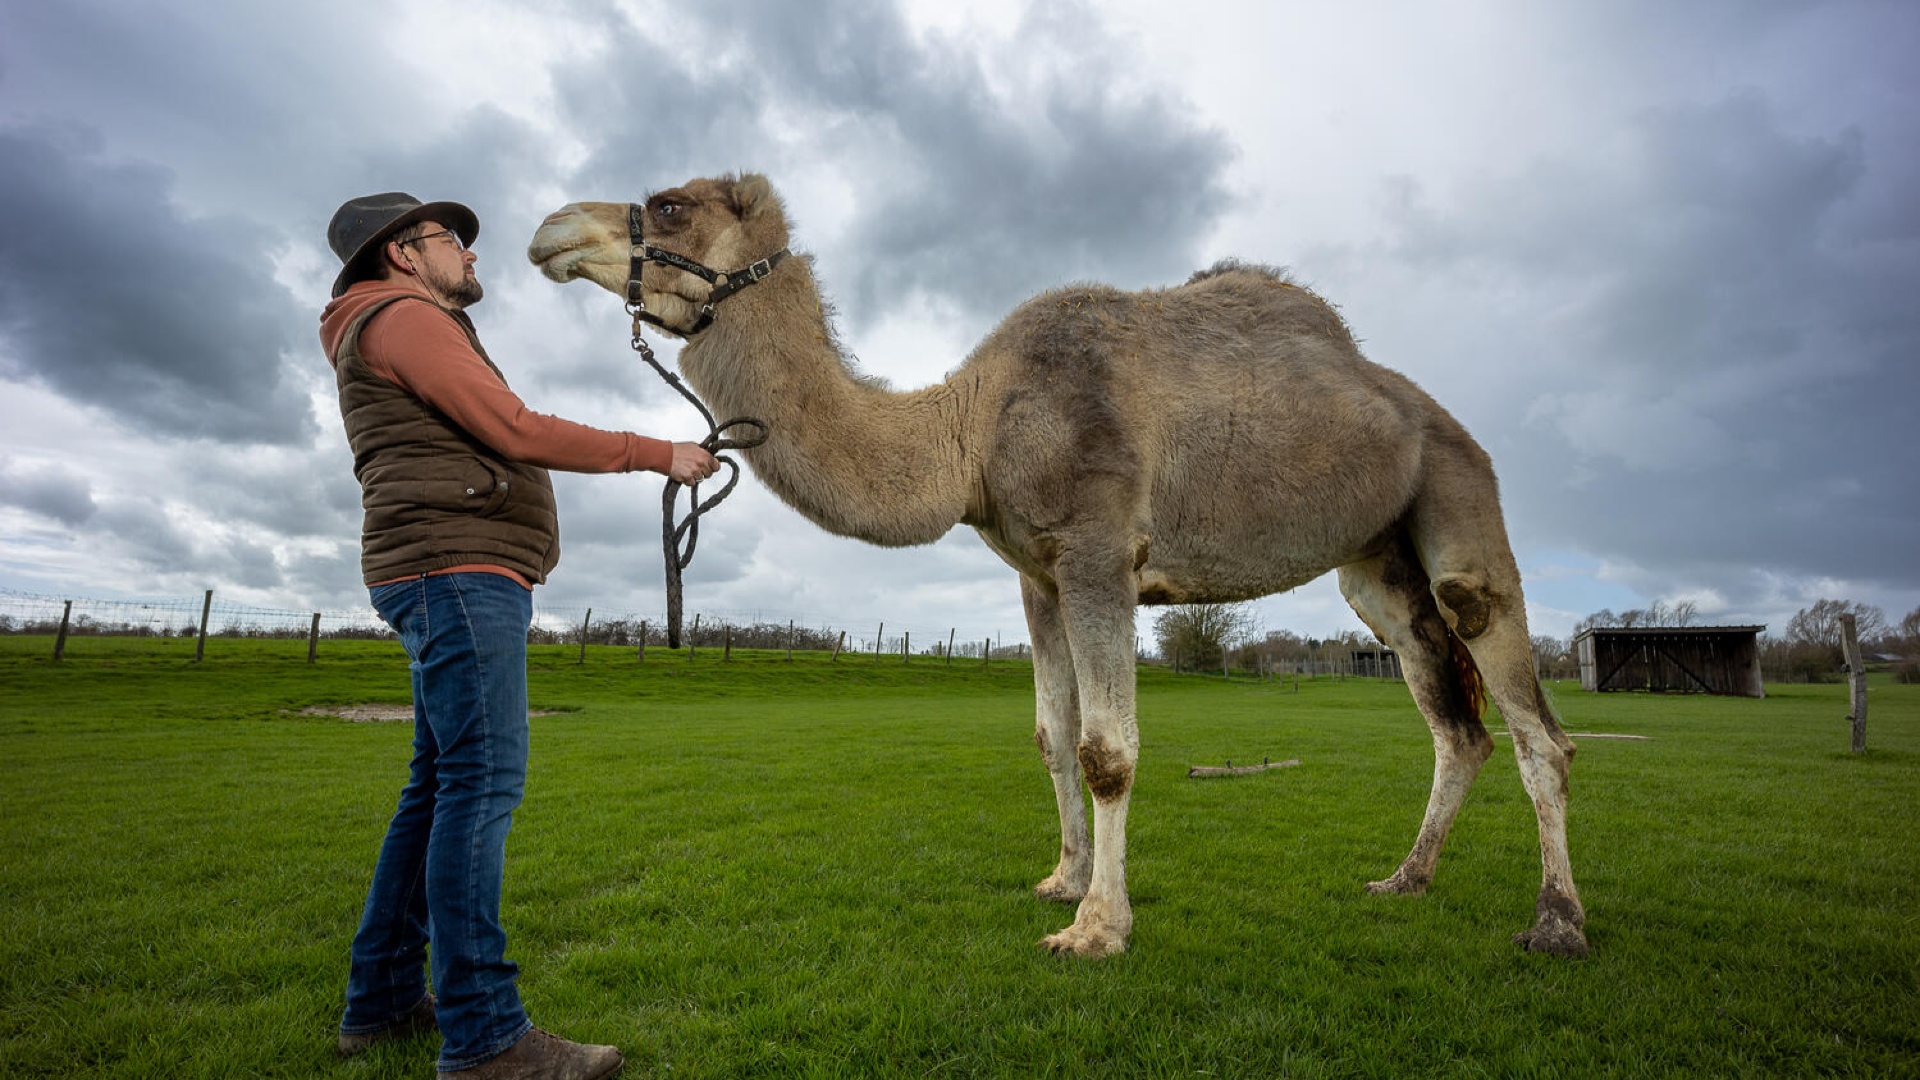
[{"x": 678, "y": 541}]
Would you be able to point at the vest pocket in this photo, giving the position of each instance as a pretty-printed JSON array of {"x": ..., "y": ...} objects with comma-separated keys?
[
  {"x": 494, "y": 487},
  {"x": 478, "y": 488}
]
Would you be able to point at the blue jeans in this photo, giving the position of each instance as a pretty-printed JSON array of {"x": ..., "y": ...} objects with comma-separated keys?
[{"x": 441, "y": 865}]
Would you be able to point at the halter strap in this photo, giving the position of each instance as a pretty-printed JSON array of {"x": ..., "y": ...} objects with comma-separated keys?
[{"x": 725, "y": 282}]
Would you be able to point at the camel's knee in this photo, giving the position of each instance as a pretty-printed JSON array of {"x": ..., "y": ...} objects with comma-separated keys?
[
  {"x": 1466, "y": 603},
  {"x": 1108, "y": 769}
]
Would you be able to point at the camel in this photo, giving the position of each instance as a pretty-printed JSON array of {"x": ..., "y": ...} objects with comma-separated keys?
[{"x": 1216, "y": 441}]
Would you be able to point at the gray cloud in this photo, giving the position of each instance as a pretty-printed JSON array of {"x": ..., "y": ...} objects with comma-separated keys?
[
  {"x": 144, "y": 533},
  {"x": 1721, "y": 370},
  {"x": 107, "y": 294},
  {"x": 262, "y": 109},
  {"x": 290, "y": 495},
  {"x": 975, "y": 193},
  {"x": 54, "y": 492}
]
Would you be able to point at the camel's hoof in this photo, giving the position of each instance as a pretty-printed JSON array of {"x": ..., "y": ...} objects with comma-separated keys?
[
  {"x": 1400, "y": 884},
  {"x": 1554, "y": 935},
  {"x": 1060, "y": 889},
  {"x": 1074, "y": 941}
]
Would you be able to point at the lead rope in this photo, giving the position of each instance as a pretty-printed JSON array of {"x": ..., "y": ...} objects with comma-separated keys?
[{"x": 672, "y": 536}]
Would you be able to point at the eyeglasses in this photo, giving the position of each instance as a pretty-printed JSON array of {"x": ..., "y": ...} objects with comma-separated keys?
[{"x": 452, "y": 236}]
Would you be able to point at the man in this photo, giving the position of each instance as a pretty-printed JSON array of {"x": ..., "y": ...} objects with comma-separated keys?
[{"x": 459, "y": 526}]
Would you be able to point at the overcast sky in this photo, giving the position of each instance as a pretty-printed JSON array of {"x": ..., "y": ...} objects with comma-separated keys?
[{"x": 1662, "y": 259}]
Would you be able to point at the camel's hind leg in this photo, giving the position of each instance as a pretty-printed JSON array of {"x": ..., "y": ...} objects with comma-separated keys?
[
  {"x": 1545, "y": 754},
  {"x": 1391, "y": 594},
  {"x": 1057, "y": 732},
  {"x": 1462, "y": 542}
]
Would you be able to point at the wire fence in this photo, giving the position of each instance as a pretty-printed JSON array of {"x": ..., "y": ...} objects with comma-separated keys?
[
  {"x": 208, "y": 617},
  {"x": 27, "y": 613}
]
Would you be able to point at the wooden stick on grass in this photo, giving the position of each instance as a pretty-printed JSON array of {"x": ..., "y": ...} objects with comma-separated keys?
[{"x": 1230, "y": 769}]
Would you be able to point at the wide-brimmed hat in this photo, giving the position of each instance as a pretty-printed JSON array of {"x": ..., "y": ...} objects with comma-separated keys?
[{"x": 361, "y": 225}]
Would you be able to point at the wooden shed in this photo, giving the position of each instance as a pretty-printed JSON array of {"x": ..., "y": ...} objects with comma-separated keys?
[
  {"x": 1672, "y": 659},
  {"x": 1375, "y": 663}
]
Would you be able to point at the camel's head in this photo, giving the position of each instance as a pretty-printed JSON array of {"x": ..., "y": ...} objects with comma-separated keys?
[{"x": 723, "y": 223}]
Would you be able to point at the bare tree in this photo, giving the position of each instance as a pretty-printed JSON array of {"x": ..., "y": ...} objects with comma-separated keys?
[
  {"x": 1602, "y": 618},
  {"x": 1910, "y": 629},
  {"x": 1908, "y": 646},
  {"x": 1819, "y": 625},
  {"x": 1657, "y": 613},
  {"x": 1813, "y": 634},
  {"x": 1196, "y": 636},
  {"x": 1551, "y": 659}
]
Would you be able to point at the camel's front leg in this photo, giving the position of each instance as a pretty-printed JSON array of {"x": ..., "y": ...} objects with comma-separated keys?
[
  {"x": 1057, "y": 732},
  {"x": 1097, "y": 611}
]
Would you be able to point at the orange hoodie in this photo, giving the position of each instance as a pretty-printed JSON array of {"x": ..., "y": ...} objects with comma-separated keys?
[{"x": 421, "y": 349}]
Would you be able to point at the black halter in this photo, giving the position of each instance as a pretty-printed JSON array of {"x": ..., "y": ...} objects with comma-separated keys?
[
  {"x": 678, "y": 541},
  {"x": 725, "y": 283}
]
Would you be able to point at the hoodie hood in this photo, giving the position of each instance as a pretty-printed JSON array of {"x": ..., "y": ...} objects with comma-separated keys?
[{"x": 348, "y": 306}]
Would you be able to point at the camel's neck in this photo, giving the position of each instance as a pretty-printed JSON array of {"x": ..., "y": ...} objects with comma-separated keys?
[{"x": 857, "y": 459}]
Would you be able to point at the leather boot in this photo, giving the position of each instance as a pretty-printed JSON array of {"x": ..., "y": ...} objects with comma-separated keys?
[{"x": 540, "y": 1055}]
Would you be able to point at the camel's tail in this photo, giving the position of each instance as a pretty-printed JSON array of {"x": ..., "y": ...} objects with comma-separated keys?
[{"x": 1469, "y": 674}]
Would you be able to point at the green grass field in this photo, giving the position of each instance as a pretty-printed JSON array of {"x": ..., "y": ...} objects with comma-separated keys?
[{"x": 823, "y": 869}]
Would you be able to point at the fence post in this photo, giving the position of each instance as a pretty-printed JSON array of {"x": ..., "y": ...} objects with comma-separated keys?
[
  {"x": 313, "y": 638},
  {"x": 986, "y": 653},
  {"x": 60, "y": 642},
  {"x": 690, "y": 636},
  {"x": 839, "y": 641},
  {"x": 1856, "y": 679},
  {"x": 877, "y": 639},
  {"x": 200, "y": 647},
  {"x": 641, "y": 656},
  {"x": 950, "y": 633},
  {"x": 726, "y": 638},
  {"x": 906, "y": 640},
  {"x": 583, "y": 637}
]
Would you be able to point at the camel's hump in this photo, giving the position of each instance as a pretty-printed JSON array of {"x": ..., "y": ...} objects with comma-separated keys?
[{"x": 1277, "y": 275}]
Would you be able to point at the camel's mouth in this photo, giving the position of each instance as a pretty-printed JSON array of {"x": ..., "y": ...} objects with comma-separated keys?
[
  {"x": 565, "y": 245},
  {"x": 557, "y": 258},
  {"x": 561, "y": 266}
]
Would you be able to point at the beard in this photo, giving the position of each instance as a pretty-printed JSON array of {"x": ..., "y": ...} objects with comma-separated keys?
[{"x": 458, "y": 292}]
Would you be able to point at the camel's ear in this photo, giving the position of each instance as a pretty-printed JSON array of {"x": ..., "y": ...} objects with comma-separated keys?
[{"x": 753, "y": 196}]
